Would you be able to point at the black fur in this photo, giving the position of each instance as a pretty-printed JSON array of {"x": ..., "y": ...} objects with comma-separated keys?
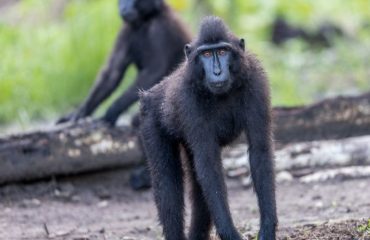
[
  {"x": 181, "y": 112},
  {"x": 152, "y": 40},
  {"x": 283, "y": 31}
]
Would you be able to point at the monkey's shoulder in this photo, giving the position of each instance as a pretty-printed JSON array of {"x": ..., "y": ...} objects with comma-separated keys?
[{"x": 150, "y": 98}]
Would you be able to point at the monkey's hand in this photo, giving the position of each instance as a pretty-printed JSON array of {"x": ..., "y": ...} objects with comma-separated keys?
[
  {"x": 110, "y": 122},
  {"x": 71, "y": 117},
  {"x": 110, "y": 117}
]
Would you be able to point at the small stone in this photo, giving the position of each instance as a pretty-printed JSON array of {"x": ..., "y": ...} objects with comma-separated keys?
[
  {"x": 247, "y": 182},
  {"x": 103, "y": 204},
  {"x": 284, "y": 176},
  {"x": 319, "y": 204}
]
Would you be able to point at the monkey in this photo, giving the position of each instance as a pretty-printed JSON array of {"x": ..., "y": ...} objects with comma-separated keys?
[
  {"x": 152, "y": 39},
  {"x": 219, "y": 91},
  {"x": 282, "y": 31}
]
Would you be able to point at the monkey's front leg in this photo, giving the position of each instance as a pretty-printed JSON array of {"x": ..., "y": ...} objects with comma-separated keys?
[
  {"x": 208, "y": 167},
  {"x": 167, "y": 178},
  {"x": 259, "y": 135}
]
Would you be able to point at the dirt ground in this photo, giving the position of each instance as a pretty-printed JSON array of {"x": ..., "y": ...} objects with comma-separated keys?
[{"x": 102, "y": 206}]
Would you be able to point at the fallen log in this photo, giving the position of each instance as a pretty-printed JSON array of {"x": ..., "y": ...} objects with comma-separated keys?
[
  {"x": 335, "y": 118},
  {"x": 90, "y": 146},
  {"x": 309, "y": 161},
  {"x": 299, "y": 157},
  {"x": 354, "y": 172},
  {"x": 71, "y": 149}
]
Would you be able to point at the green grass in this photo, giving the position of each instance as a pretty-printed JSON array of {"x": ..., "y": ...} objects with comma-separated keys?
[
  {"x": 300, "y": 75},
  {"x": 49, "y": 65},
  {"x": 49, "y": 62},
  {"x": 364, "y": 228}
]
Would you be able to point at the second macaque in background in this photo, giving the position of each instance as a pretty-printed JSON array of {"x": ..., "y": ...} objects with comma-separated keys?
[{"x": 152, "y": 39}]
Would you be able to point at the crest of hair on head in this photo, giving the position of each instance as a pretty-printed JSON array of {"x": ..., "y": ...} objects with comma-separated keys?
[{"x": 212, "y": 30}]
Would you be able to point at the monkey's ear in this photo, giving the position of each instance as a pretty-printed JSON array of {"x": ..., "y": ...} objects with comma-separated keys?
[
  {"x": 242, "y": 44},
  {"x": 187, "y": 50}
]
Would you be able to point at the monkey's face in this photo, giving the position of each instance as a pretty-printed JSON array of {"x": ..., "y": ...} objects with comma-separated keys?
[
  {"x": 214, "y": 59},
  {"x": 213, "y": 66},
  {"x": 133, "y": 11}
]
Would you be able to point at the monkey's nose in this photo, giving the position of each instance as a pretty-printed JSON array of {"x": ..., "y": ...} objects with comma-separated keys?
[{"x": 217, "y": 71}]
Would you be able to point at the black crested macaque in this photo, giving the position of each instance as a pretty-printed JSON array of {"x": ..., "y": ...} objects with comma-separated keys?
[
  {"x": 283, "y": 31},
  {"x": 152, "y": 39},
  {"x": 219, "y": 91}
]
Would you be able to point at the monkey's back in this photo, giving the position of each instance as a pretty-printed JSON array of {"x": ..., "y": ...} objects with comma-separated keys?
[{"x": 161, "y": 39}]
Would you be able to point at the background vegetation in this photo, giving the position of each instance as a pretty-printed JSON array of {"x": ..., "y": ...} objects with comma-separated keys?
[{"x": 51, "y": 50}]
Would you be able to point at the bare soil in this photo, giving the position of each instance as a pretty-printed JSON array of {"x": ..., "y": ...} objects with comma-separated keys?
[{"x": 102, "y": 206}]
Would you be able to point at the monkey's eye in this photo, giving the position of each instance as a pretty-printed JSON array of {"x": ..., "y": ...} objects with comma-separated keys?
[
  {"x": 221, "y": 52},
  {"x": 207, "y": 53}
]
